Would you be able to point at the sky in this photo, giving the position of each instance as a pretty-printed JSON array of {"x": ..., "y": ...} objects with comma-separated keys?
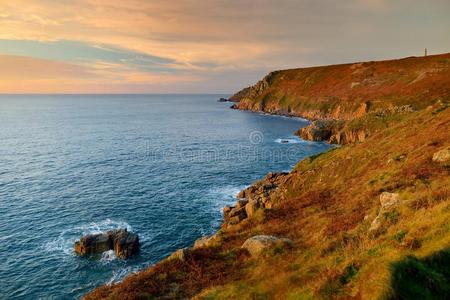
[{"x": 203, "y": 46}]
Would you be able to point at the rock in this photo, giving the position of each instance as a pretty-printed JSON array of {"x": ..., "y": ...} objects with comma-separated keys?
[
  {"x": 241, "y": 203},
  {"x": 125, "y": 244},
  {"x": 207, "y": 241},
  {"x": 222, "y": 100},
  {"x": 226, "y": 210},
  {"x": 180, "y": 254},
  {"x": 256, "y": 244},
  {"x": 238, "y": 212},
  {"x": 251, "y": 207},
  {"x": 376, "y": 223},
  {"x": 442, "y": 156},
  {"x": 389, "y": 200}
]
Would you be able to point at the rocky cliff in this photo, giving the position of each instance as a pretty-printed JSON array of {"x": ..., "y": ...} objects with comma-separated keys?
[{"x": 349, "y": 91}]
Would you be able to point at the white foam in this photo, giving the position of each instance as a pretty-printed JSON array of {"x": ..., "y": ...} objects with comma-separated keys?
[
  {"x": 290, "y": 140},
  {"x": 226, "y": 195},
  {"x": 108, "y": 256}
]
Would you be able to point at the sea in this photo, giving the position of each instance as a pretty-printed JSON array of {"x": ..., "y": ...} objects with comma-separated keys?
[{"x": 162, "y": 166}]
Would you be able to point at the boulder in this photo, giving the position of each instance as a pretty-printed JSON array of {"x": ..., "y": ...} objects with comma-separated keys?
[
  {"x": 442, "y": 156},
  {"x": 125, "y": 244},
  {"x": 256, "y": 244}
]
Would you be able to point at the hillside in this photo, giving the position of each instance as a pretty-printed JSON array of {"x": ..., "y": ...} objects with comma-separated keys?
[
  {"x": 366, "y": 220},
  {"x": 350, "y": 90},
  {"x": 349, "y": 102}
]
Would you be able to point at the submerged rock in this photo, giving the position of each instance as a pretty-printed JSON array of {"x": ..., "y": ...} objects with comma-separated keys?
[
  {"x": 256, "y": 244},
  {"x": 125, "y": 244}
]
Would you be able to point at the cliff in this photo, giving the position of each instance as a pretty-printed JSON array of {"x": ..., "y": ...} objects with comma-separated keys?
[
  {"x": 348, "y": 92},
  {"x": 368, "y": 220}
]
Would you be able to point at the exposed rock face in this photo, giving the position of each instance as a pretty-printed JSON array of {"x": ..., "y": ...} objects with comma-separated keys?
[
  {"x": 256, "y": 244},
  {"x": 331, "y": 131},
  {"x": 258, "y": 195},
  {"x": 125, "y": 244},
  {"x": 442, "y": 156}
]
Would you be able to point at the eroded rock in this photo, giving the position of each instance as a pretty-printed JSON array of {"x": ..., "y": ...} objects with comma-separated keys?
[
  {"x": 125, "y": 244},
  {"x": 257, "y": 196}
]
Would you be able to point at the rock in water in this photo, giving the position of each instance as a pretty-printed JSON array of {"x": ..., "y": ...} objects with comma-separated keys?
[{"x": 125, "y": 244}]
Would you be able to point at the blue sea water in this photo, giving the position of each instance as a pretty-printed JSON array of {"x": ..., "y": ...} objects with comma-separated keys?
[{"x": 162, "y": 166}]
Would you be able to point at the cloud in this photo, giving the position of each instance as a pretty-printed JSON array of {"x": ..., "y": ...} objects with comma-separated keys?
[{"x": 205, "y": 40}]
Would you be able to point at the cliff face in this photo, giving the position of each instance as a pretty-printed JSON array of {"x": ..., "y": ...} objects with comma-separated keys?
[{"x": 351, "y": 91}]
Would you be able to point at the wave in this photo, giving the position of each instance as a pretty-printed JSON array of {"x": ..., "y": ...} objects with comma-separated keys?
[
  {"x": 225, "y": 195},
  {"x": 108, "y": 256},
  {"x": 290, "y": 140}
]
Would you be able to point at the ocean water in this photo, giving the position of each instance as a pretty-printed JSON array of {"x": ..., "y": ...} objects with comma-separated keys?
[{"x": 162, "y": 166}]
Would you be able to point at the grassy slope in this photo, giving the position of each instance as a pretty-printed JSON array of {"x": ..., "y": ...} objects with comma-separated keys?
[
  {"x": 330, "y": 201},
  {"x": 345, "y": 91}
]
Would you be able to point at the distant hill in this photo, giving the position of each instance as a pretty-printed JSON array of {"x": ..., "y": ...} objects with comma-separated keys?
[{"x": 350, "y": 90}]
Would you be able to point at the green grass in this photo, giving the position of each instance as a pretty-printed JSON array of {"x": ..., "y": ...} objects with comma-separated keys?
[{"x": 426, "y": 278}]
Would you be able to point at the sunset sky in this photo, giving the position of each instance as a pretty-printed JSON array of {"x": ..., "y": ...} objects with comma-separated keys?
[{"x": 153, "y": 46}]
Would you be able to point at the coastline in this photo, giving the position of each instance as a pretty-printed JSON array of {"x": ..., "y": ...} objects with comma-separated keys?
[
  {"x": 337, "y": 220},
  {"x": 215, "y": 238}
]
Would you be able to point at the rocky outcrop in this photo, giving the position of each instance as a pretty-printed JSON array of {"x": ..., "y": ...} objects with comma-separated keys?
[
  {"x": 257, "y": 244},
  {"x": 332, "y": 131},
  {"x": 125, "y": 244},
  {"x": 180, "y": 254},
  {"x": 253, "y": 198},
  {"x": 389, "y": 202}
]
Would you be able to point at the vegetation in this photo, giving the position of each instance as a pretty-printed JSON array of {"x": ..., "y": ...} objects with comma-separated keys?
[{"x": 350, "y": 90}]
